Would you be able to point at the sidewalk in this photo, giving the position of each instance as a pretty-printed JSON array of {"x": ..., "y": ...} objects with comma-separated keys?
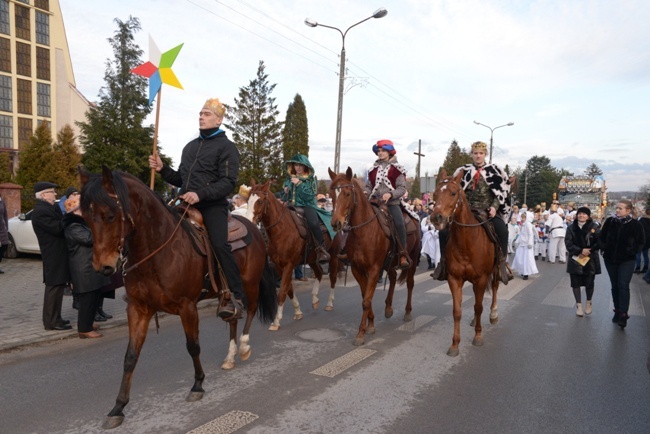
[{"x": 21, "y": 305}]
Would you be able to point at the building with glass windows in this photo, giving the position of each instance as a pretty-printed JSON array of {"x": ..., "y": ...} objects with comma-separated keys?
[{"x": 36, "y": 78}]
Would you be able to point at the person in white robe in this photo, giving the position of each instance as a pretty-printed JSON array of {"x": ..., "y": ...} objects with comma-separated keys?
[
  {"x": 524, "y": 262},
  {"x": 430, "y": 243},
  {"x": 513, "y": 231}
]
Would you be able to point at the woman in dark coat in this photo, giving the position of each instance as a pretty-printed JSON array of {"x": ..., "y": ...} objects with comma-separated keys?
[
  {"x": 85, "y": 279},
  {"x": 581, "y": 242},
  {"x": 620, "y": 239}
]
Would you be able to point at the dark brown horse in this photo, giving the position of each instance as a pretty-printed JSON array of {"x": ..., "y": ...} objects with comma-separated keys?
[
  {"x": 126, "y": 218},
  {"x": 367, "y": 248},
  {"x": 287, "y": 248},
  {"x": 470, "y": 255}
]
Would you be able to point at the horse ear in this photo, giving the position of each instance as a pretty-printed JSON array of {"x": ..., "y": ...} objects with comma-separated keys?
[
  {"x": 84, "y": 175},
  {"x": 266, "y": 185},
  {"x": 459, "y": 176},
  {"x": 332, "y": 174},
  {"x": 107, "y": 179},
  {"x": 442, "y": 175},
  {"x": 348, "y": 173},
  {"x": 253, "y": 182}
]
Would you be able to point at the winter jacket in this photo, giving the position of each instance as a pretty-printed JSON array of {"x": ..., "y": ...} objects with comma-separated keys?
[
  {"x": 577, "y": 239},
  {"x": 4, "y": 224},
  {"x": 621, "y": 240},
  {"x": 209, "y": 167},
  {"x": 48, "y": 227},
  {"x": 645, "y": 222},
  {"x": 79, "y": 240},
  {"x": 304, "y": 192},
  {"x": 393, "y": 182}
]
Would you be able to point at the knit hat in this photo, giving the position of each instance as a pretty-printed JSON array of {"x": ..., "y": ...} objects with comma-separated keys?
[
  {"x": 72, "y": 204},
  {"x": 584, "y": 210},
  {"x": 71, "y": 190},
  {"x": 386, "y": 145}
]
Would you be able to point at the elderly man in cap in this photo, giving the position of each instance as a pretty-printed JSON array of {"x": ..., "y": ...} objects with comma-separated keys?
[
  {"x": 206, "y": 176},
  {"x": 47, "y": 221}
]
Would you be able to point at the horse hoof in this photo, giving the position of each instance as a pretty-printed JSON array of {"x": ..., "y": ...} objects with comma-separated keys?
[
  {"x": 227, "y": 366},
  {"x": 494, "y": 320},
  {"x": 244, "y": 356},
  {"x": 297, "y": 317},
  {"x": 112, "y": 422},
  {"x": 388, "y": 313},
  {"x": 477, "y": 342},
  {"x": 274, "y": 328},
  {"x": 315, "y": 305},
  {"x": 407, "y": 317},
  {"x": 329, "y": 308},
  {"x": 358, "y": 342},
  {"x": 452, "y": 352},
  {"x": 370, "y": 330},
  {"x": 194, "y": 396}
]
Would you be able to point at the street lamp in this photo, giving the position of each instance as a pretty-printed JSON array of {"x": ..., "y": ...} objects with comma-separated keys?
[
  {"x": 492, "y": 133},
  {"x": 379, "y": 13}
]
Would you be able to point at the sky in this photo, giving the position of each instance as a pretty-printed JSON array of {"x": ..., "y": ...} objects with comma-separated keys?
[{"x": 572, "y": 75}]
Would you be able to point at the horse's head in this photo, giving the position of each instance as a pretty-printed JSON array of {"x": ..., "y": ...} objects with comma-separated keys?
[
  {"x": 258, "y": 201},
  {"x": 447, "y": 196},
  {"x": 342, "y": 192},
  {"x": 105, "y": 208}
]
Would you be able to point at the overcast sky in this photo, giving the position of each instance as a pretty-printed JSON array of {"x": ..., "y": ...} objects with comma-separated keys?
[{"x": 573, "y": 75}]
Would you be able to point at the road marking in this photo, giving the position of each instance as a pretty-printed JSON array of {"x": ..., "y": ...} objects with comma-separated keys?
[
  {"x": 228, "y": 423},
  {"x": 412, "y": 326},
  {"x": 344, "y": 362},
  {"x": 505, "y": 292}
]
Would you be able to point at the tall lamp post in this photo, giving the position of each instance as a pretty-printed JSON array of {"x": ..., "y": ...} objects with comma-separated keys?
[
  {"x": 379, "y": 13},
  {"x": 509, "y": 124}
]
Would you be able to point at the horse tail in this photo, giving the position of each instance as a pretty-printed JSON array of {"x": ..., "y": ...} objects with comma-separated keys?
[
  {"x": 402, "y": 276},
  {"x": 267, "y": 304}
]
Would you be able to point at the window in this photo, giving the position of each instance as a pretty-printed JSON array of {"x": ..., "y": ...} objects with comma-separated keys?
[
  {"x": 4, "y": 17},
  {"x": 42, "y": 4},
  {"x": 43, "y": 99},
  {"x": 42, "y": 63},
  {"x": 24, "y": 96},
  {"x": 25, "y": 131},
  {"x": 6, "y": 132},
  {"x": 5, "y": 55},
  {"x": 42, "y": 28},
  {"x": 5, "y": 93},
  {"x": 22, "y": 22},
  {"x": 23, "y": 59},
  {"x": 24, "y": 1}
]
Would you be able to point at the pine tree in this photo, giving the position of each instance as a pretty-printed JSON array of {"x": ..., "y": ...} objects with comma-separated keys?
[
  {"x": 455, "y": 158},
  {"x": 295, "y": 135},
  {"x": 113, "y": 133},
  {"x": 593, "y": 170},
  {"x": 36, "y": 163},
  {"x": 256, "y": 131},
  {"x": 5, "y": 165},
  {"x": 543, "y": 181},
  {"x": 66, "y": 158}
]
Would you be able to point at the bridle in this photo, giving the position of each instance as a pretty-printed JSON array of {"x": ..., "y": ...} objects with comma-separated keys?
[
  {"x": 450, "y": 218},
  {"x": 346, "y": 223},
  {"x": 265, "y": 210}
]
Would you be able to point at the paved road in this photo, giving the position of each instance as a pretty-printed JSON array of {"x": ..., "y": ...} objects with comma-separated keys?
[{"x": 542, "y": 369}]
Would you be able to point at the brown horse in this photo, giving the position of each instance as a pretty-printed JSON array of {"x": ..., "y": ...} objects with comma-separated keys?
[
  {"x": 126, "y": 218},
  {"x": 469, "y": 254},
  {"x": 287, "y": 248},
  {"x": 367, "y": 248}
]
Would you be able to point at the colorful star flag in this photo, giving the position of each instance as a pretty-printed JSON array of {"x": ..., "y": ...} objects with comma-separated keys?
[{"x": 159, "y": 69}]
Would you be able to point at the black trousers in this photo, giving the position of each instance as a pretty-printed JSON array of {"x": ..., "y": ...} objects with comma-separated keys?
[
  {"x": 313, "y": 221},
  {"x": 398, "y": 218},
  {"x": 215, "y": 219},
  {"x": 501, "y": 230},
  {"x": 52, "y": 301},
  {"x": 87, "y": 303}
]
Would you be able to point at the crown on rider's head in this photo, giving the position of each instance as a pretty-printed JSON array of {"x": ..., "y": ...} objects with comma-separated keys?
[
  {"x": 244, "y": 191},
  {"x": 215, "y": 106},
  {"x": 479, "y": 146}
]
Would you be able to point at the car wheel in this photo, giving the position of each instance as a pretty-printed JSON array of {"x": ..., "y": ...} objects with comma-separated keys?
[{"x": 11, "y": 248}]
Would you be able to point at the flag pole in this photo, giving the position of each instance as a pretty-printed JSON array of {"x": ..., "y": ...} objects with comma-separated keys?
[{"x": 155, "y": 139}]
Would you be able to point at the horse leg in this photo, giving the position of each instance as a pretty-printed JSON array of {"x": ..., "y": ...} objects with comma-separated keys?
[
  {"x": 367, "y": 318},
  {"x": 314, "y": 294},
  {"x": 410, "y": 283},
  {"x": 229, "y": 361},
  {"x": 297, "y": 313},
  {"x": 138, "y": 317},
  {"x": 244, "y": 342},
  {"x": 494, "y": 315},
  {"x": 392, "y": 277},
  {"x": 190, "y": 320},
  {"x": 285, "y": 286},
  {"x": 479, "y": 292},
  {"x": 456, "y": 286}
]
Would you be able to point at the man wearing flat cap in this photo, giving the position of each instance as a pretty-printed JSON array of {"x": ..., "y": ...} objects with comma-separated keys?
[
  {"x": 206, "y": 175},
  {"x": 47, "y": 221}
]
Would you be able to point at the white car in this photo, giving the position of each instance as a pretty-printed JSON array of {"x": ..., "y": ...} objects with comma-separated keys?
[{"x": 22, "y": 238}]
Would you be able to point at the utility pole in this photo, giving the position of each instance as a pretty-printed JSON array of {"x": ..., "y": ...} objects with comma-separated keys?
[{"x": 420, "y": 155}]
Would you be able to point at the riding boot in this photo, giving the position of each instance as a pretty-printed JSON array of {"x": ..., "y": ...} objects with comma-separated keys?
[
  {"x": 321, "y": 253},
  {"x": 505, "y": 273},
  {"x": 440, "y": 273},
  {"x": 404, "y": 261},
  {"x": 231, "y": 310}
]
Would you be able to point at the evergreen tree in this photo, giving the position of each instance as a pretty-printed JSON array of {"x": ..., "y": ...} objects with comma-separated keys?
[
  {"x": 5, "y": 168},
  {"x": 36, "y": 163},
  {"x": 66, "y": 158},
  {"x": 543, "y": 181},
  {"x": 256, "y": 131},
  {"x": 295, "y": 135},
  {"x": 593, "y": 170},
  {"x": 113, "y": 133},
  {"x": 455, "y": 158}
]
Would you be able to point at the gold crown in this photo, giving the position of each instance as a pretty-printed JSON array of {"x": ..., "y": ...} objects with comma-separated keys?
[
  {"x": 244, "y": 191},
  {"x": 479, "y": 146},
  {"x": 215, "y": 106}
]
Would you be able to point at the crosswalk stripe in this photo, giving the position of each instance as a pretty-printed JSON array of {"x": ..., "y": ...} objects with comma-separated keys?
[
  {"x": 228, "y": 423},
  {"x": 336, "y": 366}
]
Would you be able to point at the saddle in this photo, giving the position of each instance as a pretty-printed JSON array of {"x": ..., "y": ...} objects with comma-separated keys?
[
  {"x": 237, "y": 231},
  {"x": 386, "y": 223}
]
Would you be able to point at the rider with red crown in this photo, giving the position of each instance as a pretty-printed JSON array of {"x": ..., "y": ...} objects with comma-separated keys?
[
  {"x": 487, "y": 188},
  {"x": 387, "y": 182}
]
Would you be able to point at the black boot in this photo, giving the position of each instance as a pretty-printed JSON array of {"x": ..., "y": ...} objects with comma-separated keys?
[
  {"x": 104, "y": 314},
  {"x": 429, "y": 263},
  {"x": 440, "y": 273},
  {"x": 231, "y": 310},
  {"x": 321, "y": 253}
]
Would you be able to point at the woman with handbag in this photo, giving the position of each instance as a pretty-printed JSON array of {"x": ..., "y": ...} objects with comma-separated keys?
[{"x": 583, "y": 263}]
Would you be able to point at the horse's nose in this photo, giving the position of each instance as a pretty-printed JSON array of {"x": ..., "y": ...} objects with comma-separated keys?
[
  {"x": 107, "y": 270},
  {"x": 437, "y": 218}
]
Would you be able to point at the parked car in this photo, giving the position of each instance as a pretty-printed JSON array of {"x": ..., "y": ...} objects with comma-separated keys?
[{"x": 22, "y": 238}]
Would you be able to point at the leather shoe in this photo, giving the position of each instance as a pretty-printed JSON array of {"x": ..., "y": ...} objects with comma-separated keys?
[
  {"x": 104, "y": 314},
  {"x": 303, "y": 279},
  {"x": 60, "y": 327},
  {"x": 2, "y": 272},
  {"x": 65, "y": 321},
  {"x": 90, "y": 335},
  {"x": 99, "y": 318}
]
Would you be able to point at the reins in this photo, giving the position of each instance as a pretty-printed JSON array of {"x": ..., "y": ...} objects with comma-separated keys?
[
  {"x": 266, "y": 210},
  {"x": 450, "y": 218},
  {"x": 346, "y": 225}
]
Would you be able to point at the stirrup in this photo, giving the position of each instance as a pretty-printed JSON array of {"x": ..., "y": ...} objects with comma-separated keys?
[{"x": 232, "y": 310}]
